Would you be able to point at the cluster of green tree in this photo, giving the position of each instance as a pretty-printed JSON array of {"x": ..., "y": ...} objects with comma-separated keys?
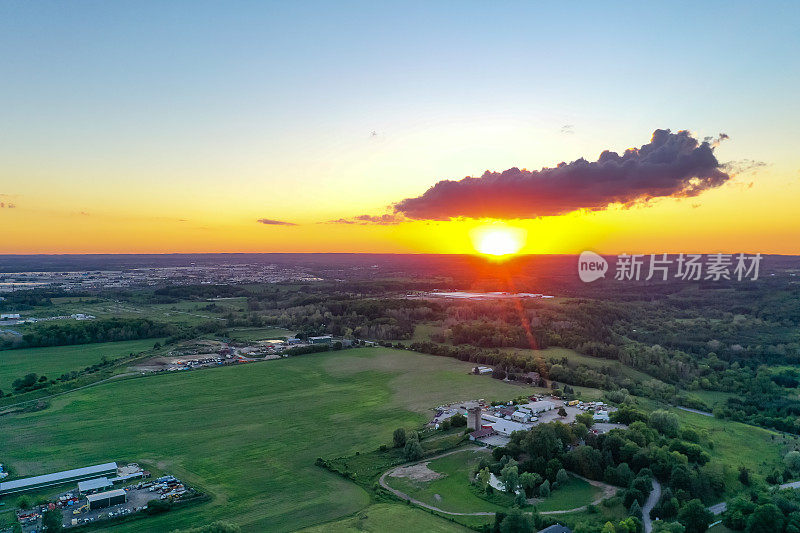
[
  {"x": 342, "y": 314},
  {"x": 763, "y": 512},
  {"x": 655, "y": 447},
  {"x": 29, "y": 382},
  {"x": 311, "y": 348},
  {"x": 90, "y": 331},
  {"x": 29, "y": 299},
  {"x": 772, "y": 410},
  {"x": 409, "y": 442},
  {"x": 200, "y": 292}
]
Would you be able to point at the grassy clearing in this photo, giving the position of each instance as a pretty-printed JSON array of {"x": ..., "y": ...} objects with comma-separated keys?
[
  {"x": 56, "y": 360},
  {"x": 389, "y": 517},
  {"x": 453, "y": 491},
  {"x": 737, "y": 444},
  {"x": 575, "y": 493},
  {"x": 247, "y": 434}
]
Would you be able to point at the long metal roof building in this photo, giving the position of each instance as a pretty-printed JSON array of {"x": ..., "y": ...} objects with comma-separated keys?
[{"x": 67, "y": 476}]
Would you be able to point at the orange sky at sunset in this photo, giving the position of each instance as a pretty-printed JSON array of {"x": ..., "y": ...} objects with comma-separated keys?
[{"x": 180, "y": 132}]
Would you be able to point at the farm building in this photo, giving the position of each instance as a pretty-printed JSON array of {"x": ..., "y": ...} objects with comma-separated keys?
[
  {"x": 93, "y": 484},
  {"x": 481, "y": 433},
  {"x": 107, "y": 499},
  {"x": 541, "y": 406},
  {"x": 67, "y": 476},
  {"x": 324, "y": 339}
]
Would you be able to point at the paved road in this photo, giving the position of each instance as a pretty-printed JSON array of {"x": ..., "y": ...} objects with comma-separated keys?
[
  {"x": 608, "y": 490},
  {"x": 696, "y": 411},
  {"x": 792, "y": 485},
  {"x": 651, "y": 502}
]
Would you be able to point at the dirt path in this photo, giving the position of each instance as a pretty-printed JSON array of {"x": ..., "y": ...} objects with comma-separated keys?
[{"x": 608, "y": 490}]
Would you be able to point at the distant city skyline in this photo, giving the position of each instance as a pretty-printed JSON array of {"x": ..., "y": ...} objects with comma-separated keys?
[{"x": 144, "y": 127}]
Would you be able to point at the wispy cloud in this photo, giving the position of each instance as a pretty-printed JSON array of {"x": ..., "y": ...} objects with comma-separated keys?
[
  {"x": 271, "y": 222},
  {"x": 381, "y": 220}
]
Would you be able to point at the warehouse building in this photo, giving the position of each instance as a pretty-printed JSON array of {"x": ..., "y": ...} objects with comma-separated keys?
[
  {"x": 57, "y": 478},
  {"x": 93, "y": 484},
  {"x": 106, "y": 499}
]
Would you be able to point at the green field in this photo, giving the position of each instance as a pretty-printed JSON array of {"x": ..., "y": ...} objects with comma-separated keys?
[
  {"x": 56, "y": 360},
  {"x": 389, "y": 517},
  {"x": 247, "y": 434}
]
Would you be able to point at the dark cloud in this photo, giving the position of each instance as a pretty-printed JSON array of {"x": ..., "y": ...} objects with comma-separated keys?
[
  {"x": 670, "y": 165},
  {"x": 380, "y": 220},
  {"x": 270, "y": 222}
]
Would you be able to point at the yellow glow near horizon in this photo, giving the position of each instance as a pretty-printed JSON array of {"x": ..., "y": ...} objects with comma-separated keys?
[{"x": 498, "y": 240}]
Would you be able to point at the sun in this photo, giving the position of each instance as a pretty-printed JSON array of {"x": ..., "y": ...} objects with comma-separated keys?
[{"x": 498, "y": 241}]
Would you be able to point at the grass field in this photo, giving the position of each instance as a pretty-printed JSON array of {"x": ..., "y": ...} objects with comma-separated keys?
[
  {"x": 56, "y": 360},
  {"x": 247, "y": 434},
  {"x": 390, "y": 517}
]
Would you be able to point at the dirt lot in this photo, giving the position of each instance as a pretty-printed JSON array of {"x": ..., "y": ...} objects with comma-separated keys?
[{"x": 418, "y": 472}]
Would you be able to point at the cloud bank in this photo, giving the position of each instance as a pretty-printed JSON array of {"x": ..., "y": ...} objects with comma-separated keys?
[
  {"x": 670, "y": 165},
  {"x": 270, "y": 222}
]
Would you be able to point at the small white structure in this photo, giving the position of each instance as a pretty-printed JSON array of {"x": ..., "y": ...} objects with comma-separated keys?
[
  {"x": 600, "y": 416},
  {"x": 496, "y": 484},
  {"x": 484, "y": 370},
  {"x": 10, "y": 316},
  {"x": 520, "y": 416}
]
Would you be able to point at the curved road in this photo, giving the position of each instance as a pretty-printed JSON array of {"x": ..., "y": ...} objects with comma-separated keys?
[
  {"x": 607, "y": 490},
  {"x": 651, "y": 502}
]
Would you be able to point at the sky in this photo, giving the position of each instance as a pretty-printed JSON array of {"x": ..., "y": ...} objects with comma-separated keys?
[{"x": 157, "y": 127}]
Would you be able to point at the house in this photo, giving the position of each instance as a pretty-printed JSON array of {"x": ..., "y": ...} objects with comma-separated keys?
[
  {"x": 507, "y": 411},
  {"x": 558, "y": 528}
]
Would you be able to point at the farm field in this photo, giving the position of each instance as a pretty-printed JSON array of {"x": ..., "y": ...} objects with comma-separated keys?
[
  {"x": 386, "y": 517},
  {"x": 53, "y": 361},
  {"x": 248, "y": 434}
]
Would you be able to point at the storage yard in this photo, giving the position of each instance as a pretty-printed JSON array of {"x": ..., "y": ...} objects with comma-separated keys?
[{"x": 97, "y": 496}]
